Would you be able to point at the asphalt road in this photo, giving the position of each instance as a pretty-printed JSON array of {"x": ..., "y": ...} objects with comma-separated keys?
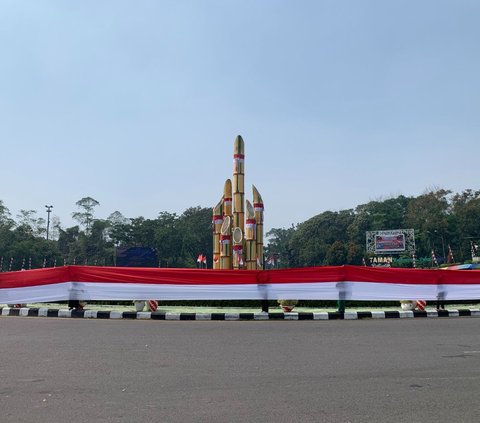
[{"x": 398, "y": 370}]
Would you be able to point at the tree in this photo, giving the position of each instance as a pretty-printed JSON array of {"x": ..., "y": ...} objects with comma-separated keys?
[
  {"x": 30, "y": 222},
  {"x": 279, "y": 243},
  {"x": 336, "y": 254},
  {"x": 56, "y": 225},
  {"x": 119, "y": 228},
  {"x": 86, "y": 214},
  {"x": 312, "y": 238},
  {"x": 464, "y": 225},
  {"x": 168, "y": 240},
  {"x": 5, "y": 219},
  {"x": 195, "y": 227},
  {"x": 378, "y": 215},
  {"x": 428, "y": 215}
]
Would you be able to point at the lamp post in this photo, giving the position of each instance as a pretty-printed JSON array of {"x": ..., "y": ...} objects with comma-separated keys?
[
  {"x": 436, "y": 232},
  {"x": 49, "y": 210},
  {"x": 443, "y": 245}
]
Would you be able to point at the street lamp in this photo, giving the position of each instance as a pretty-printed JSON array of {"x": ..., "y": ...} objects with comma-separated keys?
[
  {"x": 435, "y": 232},
  {"x": 443, "y": 244},
  {"x": 49, "y": 210}
]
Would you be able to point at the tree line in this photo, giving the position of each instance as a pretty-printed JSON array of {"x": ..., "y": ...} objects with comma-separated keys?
[
  {"x": 439, "y": 217},
  {"x": 177, "y": 239}
]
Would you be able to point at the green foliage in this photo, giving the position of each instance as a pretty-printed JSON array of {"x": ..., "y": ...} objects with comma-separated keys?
[
  {"x": 333, "y": 238},
  {"x": 438, "y": 217},
  {"x": 279, "y": 245},
  {"x": 321, "y": 239},
  {"x": 86, "y": 213}
]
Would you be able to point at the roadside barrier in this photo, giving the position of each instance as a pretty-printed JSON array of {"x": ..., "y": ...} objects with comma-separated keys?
[{"x": 261, "y": 316}]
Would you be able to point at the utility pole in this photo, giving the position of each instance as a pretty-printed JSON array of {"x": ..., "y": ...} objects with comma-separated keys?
[
  {"x": 49, "y": 210},
  {"x": 443, "y": 244}
]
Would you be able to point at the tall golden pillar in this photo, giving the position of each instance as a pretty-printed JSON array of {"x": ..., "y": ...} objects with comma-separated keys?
[
  {"x": 238, "y": 186},
  {"x": 217, "y": 222},
  {"x": 239, "y": 244},
  {"x": 258, "y": 207},
  {"x": 250, "y": 235},
  {"x": 226, "y": 244},
  {"x": 227, "y": 198}
]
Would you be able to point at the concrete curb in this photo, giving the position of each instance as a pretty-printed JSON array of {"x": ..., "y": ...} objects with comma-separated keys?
[{"x": 133, "y": 315}]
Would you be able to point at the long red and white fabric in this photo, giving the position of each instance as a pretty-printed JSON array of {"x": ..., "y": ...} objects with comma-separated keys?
[{"x": 312, "y": 283}]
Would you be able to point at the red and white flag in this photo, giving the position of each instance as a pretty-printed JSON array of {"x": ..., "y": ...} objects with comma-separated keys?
[
  {"x": 450, "y": 255},
  {"x": 473, "y": 249}
]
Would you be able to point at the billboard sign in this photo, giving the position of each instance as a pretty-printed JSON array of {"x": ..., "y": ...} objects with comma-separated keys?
[
  {"x": 389, "y": 243},
  {"x": 396, "y": 241}
]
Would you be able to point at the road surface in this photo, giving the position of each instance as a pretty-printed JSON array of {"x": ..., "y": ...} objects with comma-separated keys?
[{"x": 399, "y": 370}]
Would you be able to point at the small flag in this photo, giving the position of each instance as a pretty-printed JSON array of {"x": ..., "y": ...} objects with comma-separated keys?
[
  {"x": 474, "y": 248},
  {"x": 434, "y": 258},
  {"x": 200, "y": 258},
  {"x": 215, "y": 259},
  {"x": 450, "y": 255},
  {"x": 259, "y": 263}
]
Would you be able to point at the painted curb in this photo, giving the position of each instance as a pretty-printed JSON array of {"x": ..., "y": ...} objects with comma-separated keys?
[{"x": 159, "y": 315}]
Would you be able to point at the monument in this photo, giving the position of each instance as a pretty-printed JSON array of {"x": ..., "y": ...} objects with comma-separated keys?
[{"x": 237, "y": 223}]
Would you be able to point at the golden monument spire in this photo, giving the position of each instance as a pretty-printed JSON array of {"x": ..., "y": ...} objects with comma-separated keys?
[{"x": 240, "y": 242}]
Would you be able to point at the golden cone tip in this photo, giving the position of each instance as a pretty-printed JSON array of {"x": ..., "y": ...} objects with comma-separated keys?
[
  {"x": 217, "y": 210},
  {"x": 250, "y": 210},
  {"x": 239, "y": 145},
  {"x": 227, "y": 188},
  {"x": 257, "y": 198}
]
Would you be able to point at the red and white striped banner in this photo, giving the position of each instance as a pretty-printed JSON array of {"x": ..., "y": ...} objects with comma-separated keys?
[{"x": 313, "y": 283}]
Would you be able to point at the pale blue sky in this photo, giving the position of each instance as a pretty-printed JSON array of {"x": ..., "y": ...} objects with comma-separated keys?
[{"x": 137, "y": 103}]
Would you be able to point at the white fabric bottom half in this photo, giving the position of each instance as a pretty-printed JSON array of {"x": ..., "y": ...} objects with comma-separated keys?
[{"x": 367, "y": 291}]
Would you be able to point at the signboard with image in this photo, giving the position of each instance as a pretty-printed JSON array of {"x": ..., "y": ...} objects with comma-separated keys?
[{"x": 394, "y": 241}]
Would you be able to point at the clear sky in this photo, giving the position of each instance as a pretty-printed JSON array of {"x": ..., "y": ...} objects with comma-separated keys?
[{"x": 137, "y": 103}]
